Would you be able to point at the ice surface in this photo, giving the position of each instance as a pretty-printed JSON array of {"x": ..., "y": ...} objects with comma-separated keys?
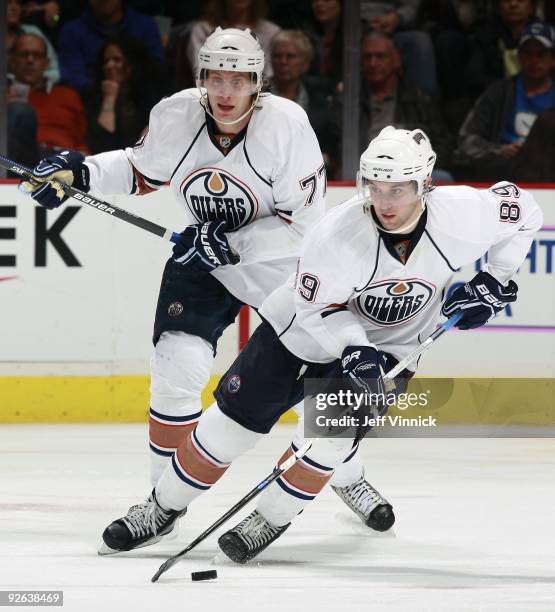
[{"x": 475, "y": 528}]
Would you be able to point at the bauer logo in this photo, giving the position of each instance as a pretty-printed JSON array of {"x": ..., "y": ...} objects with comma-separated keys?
[
  {"x": 234, "y": 383},
  {"x": 211, "y": 193},
  {"x": 394, "y": 301}
]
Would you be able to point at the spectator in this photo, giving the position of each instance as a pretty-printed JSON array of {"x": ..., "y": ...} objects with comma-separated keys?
[
  {"x": 397, "y": 19},
  {"x": 386, "y": 99},
  {"x": 448, "y": 22},
  {"x": 492, "y": 136},
  {"x": 493, "y": 49},
  {"x": 233, "y": 14},
  {"x": 81, "y": 38},
  {"x": 128, "y": 82},
  {"x": 325, "y": 29},
  {"x": 292, "y": 55},
  {"x": 59, "y": 112},
  {"x": 15, "y": 27}
]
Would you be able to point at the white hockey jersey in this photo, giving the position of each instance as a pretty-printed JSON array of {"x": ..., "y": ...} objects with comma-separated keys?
[
  {"x": 352, "y": 288},
  {"x": 270, "y": 186}
]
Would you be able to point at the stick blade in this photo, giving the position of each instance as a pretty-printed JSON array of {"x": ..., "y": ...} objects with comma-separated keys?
[{"x": 164, "y": 568}]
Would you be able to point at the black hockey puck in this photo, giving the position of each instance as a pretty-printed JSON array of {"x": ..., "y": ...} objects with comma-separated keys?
[{"x": 208, "y": 575}]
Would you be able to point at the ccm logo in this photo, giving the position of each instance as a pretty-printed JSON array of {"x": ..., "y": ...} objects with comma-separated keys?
[{"x": 94, "y": 203}]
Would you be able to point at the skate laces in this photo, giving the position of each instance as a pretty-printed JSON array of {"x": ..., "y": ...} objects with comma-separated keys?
[
  {"x": 362, "y": 496},
  {"x": 145, "y": 518},
  {"x": 255, "y": 530}
]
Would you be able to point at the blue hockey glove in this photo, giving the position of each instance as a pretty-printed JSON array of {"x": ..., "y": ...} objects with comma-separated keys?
[
  {"x": 204, "y": 247},
  {"x": 480, "y": 299},
  {"x": 363, "y": 366},
  {"x": 65, "y": 167}
]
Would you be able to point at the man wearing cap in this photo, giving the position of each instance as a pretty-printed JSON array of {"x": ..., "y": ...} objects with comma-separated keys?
[{"x": 493, "y": 136}]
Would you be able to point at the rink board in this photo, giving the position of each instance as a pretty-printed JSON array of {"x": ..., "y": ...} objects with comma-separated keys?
[
  {"x": 78, "y": 292},
  {"x": 125, "y": 399},
  {"x": 80, "y": 399}
]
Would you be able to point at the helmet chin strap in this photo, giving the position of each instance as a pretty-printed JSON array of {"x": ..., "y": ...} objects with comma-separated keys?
[{"x": 206, "y": 105}]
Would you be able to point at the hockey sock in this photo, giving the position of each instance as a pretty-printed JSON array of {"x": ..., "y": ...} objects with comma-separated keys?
[
  {"x": 166, "y": 433},
  {"x": 349, "y": 471},
  {"x": 203, "y": 458},
  {"x": 295, "y": 489}
]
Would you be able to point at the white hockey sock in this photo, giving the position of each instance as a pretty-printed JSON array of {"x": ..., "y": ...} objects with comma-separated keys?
[
  {"x": 203, "y": 458},
  {"x": 158, "y": 464},
  {"x": 349, "y": 471},
  {"x": 294, "y": 490}
]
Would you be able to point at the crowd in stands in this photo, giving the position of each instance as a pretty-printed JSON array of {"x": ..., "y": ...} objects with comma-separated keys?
[{"x": 476, "y": 75}]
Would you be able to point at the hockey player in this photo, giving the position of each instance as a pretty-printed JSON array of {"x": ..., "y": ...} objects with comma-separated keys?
[
  {"x": 370, "y": 286},
  {"x": 249, "y": 176}
]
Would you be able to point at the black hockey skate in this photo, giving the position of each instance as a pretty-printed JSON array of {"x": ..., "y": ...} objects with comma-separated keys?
[
  {"x": 144, "y": 524},
  {"x": 373, "y": 509},
  {"x": 250, "y": 537}
]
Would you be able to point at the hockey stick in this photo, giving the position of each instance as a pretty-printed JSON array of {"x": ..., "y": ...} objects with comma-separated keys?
[
  {"x": 85, "y": 198},
  {"x": 424, "y": 346},
  {"x": 278, "y": 471}
]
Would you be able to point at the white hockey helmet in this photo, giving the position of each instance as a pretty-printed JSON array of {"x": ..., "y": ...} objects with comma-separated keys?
[
  {"x": 232, "y": 49},
  {"x": 397, "y": 156}
]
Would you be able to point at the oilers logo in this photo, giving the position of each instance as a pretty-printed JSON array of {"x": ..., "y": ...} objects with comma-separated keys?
[
  {"x": 212, "y": 193},
  {"x": 234, "y": 383},
  {"x": 394, "y": 301}
]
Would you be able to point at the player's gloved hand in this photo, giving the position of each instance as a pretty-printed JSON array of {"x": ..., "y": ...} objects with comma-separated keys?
[
  {"x": 64, "y": 167},
  {"x": 363, "y": 367},
  {"x": 480, "y": 299},
  {"x": 204, "y": 247}
]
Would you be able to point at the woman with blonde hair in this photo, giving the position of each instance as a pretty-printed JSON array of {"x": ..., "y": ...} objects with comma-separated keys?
[{"x": 233, "y": 14}]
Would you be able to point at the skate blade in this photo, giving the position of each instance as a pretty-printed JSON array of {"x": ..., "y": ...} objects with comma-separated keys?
[
  {"x": 173, "y": 534},
  {"x": 106, "y": 550},
  {"x": 221, "y": 559},
  {"x": 358, "y": 526}
]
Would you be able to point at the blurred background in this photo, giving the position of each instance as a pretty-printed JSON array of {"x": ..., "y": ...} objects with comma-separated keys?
[
  {"x": 78, "y": 291},
  {"x": 468, "y": 72}
]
